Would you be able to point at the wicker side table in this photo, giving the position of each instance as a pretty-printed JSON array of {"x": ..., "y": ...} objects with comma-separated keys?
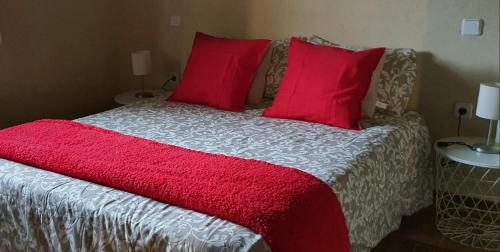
[{"x": 468, "y": 195}]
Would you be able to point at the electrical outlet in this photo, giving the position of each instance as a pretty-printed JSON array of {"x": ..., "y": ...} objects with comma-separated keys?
[
  {"x": 171, "y": 82},
  {"x": 463, "y": 106},
  {"x": 175, "y": 20},
  {"x": 173, "y": 77}
]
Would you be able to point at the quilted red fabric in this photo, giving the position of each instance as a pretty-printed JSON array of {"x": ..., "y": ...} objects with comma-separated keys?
[
  {"x": 219, "y": 72},
  {"x": 324, "y": 84},
  {"x": 292, "y": 210}
]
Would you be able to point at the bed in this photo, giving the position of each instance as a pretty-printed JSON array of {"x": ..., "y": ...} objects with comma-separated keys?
[{"x": 379, "y": 174}]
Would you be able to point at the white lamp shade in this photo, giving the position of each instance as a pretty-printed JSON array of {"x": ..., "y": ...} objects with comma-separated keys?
[
  {"x": 141, "y": 62},
  {"x": 488, "y": 102}
]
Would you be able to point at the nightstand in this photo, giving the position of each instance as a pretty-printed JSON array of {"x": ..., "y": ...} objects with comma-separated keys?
[
  {"x": 129, "y": 97},
  {"x": 468, "y": 194}
]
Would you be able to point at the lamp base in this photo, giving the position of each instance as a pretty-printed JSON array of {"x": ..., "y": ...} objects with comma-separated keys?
[
  {"x": 142, "y": 95},
  {"x": 487, "y": 149}
]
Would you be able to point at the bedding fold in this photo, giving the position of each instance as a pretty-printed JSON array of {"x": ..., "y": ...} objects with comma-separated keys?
[{"x": 292, "y": 210}]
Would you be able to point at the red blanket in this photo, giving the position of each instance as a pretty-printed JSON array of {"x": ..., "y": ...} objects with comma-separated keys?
[{"x": 292, "y": 210}]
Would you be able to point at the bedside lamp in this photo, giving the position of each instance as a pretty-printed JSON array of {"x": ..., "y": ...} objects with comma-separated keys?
[
  {"x": 488, "y": 107},
  {"x": 141, "y": 67}
]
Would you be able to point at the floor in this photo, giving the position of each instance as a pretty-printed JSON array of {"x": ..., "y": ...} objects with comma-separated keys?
[{"x": 419, "y": 234}]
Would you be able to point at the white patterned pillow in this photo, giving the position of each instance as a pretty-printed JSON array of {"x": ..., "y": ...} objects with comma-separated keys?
[
  {"x": 277, "y": 66},
  {"x": 397, "y": 78}
]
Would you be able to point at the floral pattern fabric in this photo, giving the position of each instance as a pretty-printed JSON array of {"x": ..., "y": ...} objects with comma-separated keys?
[
  {"x": 277, "y": 66},
  {"x": 397, "y": 80},
  {"x": 379, "y": 174}
]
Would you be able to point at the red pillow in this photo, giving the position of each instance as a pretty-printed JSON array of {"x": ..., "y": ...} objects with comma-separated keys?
[
  {"x": 220, "y": 71},
  {"x": 324, "y": 84}
]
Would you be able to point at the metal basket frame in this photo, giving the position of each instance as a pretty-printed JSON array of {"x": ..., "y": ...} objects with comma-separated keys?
[{"x": 468, "y": 203}]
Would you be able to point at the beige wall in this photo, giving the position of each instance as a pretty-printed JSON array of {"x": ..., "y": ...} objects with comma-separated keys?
[
  {"x": 451, "y": 66},
  {"x": 57, "y": 59}
]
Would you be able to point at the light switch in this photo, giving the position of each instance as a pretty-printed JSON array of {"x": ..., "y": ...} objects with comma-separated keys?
[
  {"x": 175, "y": 20},
  {"x": 472, "y": 27}
]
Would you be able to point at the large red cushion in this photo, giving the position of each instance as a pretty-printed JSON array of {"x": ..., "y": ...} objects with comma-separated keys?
[
  {"x": 324, "y": 84},
  {"x": 220, "y": 71}
]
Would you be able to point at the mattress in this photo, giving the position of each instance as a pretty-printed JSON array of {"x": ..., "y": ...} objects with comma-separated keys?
[{"x": 379, "y": 174}]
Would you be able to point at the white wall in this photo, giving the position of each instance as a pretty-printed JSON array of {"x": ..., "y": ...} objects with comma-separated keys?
[
  {"x": 68, "y": 58},
  {"x": 57, "y": 59},
  {"x": 451, "y": 66}
]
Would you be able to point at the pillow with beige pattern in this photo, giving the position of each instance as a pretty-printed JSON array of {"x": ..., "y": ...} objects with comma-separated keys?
[{"x": 277, "y": 66}]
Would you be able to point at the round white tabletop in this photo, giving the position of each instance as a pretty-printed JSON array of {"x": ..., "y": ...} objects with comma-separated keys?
[
  {"x": 129, "y": 97},
  {"x": 465, "y": 155}
]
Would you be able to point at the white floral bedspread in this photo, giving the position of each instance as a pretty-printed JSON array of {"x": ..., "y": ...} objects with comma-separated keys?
[{"x": 378, "y": 174}]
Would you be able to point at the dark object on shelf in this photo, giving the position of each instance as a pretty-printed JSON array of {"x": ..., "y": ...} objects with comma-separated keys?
[
  {"x": 446, "y": 144},
  {"x": 142, "y": 95}
]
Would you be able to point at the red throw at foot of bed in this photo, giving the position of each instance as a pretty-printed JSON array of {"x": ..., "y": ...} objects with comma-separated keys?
[{"x": 292, "y": 210}]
